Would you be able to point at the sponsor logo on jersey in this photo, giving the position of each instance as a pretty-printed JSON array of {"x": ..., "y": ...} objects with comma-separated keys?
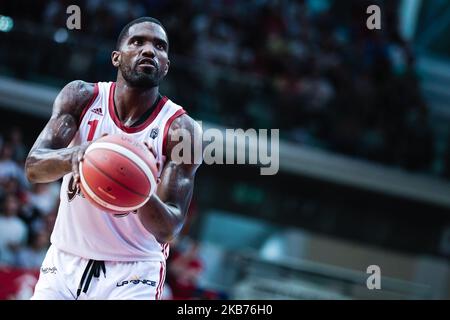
[
  {"x": 154, "y": 133},
  {"x": 135, "y": 281},
  {"x": 51, "y": 270},
  {"x": 97, "y": 111}
]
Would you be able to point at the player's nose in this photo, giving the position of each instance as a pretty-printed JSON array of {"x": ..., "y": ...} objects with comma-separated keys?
[{"x": 148, "y": 50}]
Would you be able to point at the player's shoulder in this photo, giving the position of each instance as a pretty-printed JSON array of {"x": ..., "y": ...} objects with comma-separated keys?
[
  {"x": 81, "y": 89},
  {"x": 75, "y": 95},
  {"x": 185, "y": 122}
]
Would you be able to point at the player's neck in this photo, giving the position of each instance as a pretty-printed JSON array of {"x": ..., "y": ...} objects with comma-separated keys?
[{"x": 131, "y": 102}]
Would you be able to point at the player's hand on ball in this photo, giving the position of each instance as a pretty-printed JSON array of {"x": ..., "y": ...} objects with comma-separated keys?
[{"x": 77, "y": 157}]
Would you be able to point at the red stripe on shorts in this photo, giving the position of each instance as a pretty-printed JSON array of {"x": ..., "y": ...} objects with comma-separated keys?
[{"x": 161, "y": 281}]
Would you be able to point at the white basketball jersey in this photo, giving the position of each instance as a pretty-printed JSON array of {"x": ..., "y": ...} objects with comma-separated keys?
[{"x": 86, "y": 231}]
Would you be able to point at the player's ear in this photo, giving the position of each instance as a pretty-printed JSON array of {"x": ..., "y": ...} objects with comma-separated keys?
[
  {"x": 167, "y": 68},
  {"x": 115, "y": 58}
]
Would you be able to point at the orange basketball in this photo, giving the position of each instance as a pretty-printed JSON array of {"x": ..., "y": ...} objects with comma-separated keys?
[{"x": 118, "y": 174}]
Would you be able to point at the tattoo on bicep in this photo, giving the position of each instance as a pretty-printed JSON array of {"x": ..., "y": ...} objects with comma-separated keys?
[
  {"x": 62, "y": 131},
  {"x": 57, "y": 134}
]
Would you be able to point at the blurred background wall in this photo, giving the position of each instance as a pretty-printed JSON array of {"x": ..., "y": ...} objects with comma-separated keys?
[{"x": 364, "y": 153}]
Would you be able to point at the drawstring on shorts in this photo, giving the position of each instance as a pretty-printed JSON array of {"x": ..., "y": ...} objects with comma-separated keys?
[{"x": 92, "y": 270}]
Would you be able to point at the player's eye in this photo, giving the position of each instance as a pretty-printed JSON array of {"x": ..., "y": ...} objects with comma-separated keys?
[
  {"x": 137, "y": 42},
  {"x": 160, "y": 46}
]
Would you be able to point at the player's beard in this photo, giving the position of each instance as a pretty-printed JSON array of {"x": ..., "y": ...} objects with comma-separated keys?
[{"x": 141, "y": 79}]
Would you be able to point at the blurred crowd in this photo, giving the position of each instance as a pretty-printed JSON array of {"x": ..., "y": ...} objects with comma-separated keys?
[
  {"x": 308, "y": 67},
  {"x": 27, "y": 212}
]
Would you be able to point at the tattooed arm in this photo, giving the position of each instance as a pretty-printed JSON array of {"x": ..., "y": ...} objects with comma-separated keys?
[{"x": 49, "y": 158}]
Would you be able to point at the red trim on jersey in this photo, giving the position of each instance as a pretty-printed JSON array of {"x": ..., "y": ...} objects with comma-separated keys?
[
  {"x": 91, "y": 101},
  {"x": 140, "y": 127},
  {"x": 161, "y": 282},
  {"x": 166, "y": 128},
  {"x": 165, "y": 250}
]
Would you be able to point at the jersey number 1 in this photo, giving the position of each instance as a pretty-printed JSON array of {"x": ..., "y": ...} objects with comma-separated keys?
[{"x": 93, "y": 126}]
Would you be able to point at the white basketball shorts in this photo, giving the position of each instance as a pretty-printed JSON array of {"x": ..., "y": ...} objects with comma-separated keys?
[{"x": 64, "y": 276}]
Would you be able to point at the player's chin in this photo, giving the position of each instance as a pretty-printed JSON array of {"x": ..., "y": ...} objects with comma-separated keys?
[
  {"x": 146, "y": 69},
  {"x": 145, "y": 81},
  {"x": 147, "y": 76}
]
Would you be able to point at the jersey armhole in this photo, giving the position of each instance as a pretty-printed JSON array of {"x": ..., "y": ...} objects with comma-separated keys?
[{"x": 89, "y": 104}]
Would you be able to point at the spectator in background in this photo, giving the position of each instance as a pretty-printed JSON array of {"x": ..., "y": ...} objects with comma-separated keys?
[
  {"x": 184, "y": 265},
  {"x": 20, "y": 151},
  {"x": 11, "y": 186},
  {"x": 9, "y": 168},
  {"x": 43, "y": 197},
  {"x": 13, "y": 231},
  {"x": 31, "y": 257},
  {"x": 184, "y": 269},
  {"x": 41, "y": 201}
]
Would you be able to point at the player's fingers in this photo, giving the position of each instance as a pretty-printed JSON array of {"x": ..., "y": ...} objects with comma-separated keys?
[
  {"x": 82, "y": 152},
  {"x": 75, "y": 164},
  {"x": 75, "y": 169},
  {"x": 73, "y": 186},
  {"x": 80, "y": 155}
]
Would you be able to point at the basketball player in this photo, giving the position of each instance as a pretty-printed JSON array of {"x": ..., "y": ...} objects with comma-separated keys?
[{"x": 93, "y": 254}]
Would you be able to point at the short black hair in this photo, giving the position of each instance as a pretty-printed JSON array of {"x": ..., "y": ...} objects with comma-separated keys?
[{"x": 125, "y": 29}]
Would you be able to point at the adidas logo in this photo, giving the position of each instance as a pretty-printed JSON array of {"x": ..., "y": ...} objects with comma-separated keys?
[{"x": 97, "y": 111}]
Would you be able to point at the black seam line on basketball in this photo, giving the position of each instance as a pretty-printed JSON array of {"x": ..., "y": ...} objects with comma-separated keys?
[
  {"x": 118, "y": 182},
  {"x": 114, "y": 180}
]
